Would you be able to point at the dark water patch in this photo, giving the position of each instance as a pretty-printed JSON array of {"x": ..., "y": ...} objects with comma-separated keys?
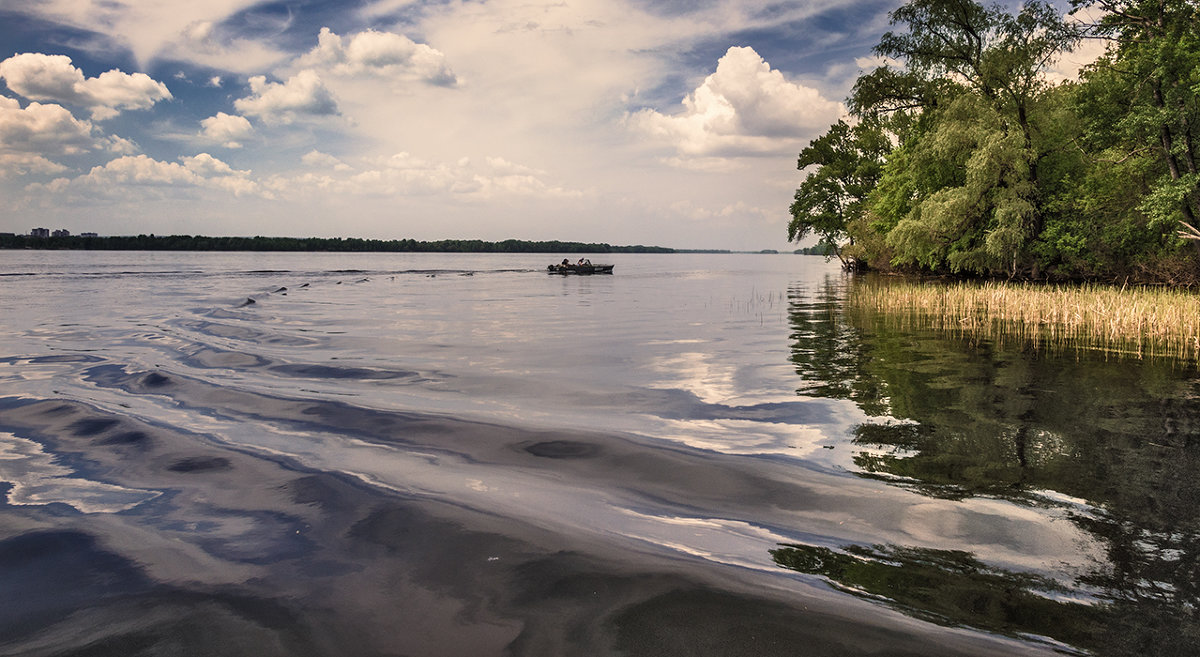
[
  {"x": 44, "y": 576},
  {"x": 138, "y": 439},
  {"x": 684, "y": 623},
  {"x": 563, "y": 449},
  {"x": 93, "y": 426},
  {"x": 248, "y": 302},
  {"x": 65, "y": 358},
  {"x": 196, "y": 464},
  {"x": 155, "y": 380},
  {"x": 329, "y": 494}
]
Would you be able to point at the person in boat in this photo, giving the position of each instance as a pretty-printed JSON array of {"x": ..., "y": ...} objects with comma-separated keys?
[{"x": 565, "y": 263}]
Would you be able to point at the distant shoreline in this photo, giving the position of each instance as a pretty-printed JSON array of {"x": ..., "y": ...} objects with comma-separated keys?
[
  {"x": 333, "y": 245},
  {"x": 308, "y": 244}
]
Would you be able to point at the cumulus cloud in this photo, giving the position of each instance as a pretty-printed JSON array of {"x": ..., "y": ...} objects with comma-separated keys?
[
  {"x": 116, "y": 177},
  {"x": 37, "y": 76},
  {"x": 22, "y": 164},
  {"x": 315, "y": 158},
  {"x": 384, "y": 54},
  {"x": 404, "y": 174},
  {"x": 42, "y": 129},
  {"x": 744, "y": 107},
  {"x": 303, "y": 96},
  {"x": 226, "y": 129}
]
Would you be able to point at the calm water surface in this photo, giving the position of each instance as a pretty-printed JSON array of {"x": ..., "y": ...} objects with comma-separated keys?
[{"x": 429, "y": 454}]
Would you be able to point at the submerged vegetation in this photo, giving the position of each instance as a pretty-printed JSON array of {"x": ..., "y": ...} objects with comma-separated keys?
[
  {"x": 1138, "y": 321},
  {"x": 965, "y": 155}
]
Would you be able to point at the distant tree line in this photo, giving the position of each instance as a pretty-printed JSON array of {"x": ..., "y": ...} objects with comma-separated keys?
[
  {"x": 351, "y": 244},
  {"x": 963, "y": 158},
  {"x": 820, "y": 249}
]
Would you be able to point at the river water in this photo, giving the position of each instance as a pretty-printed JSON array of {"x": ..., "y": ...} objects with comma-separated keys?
[{"x": 445, "y": 454}]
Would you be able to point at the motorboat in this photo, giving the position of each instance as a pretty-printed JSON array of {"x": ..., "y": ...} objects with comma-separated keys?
[{"x": 582, "y": 270}]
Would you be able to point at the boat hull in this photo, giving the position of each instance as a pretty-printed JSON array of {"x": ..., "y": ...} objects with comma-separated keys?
[{"x": 580, "y": 270}]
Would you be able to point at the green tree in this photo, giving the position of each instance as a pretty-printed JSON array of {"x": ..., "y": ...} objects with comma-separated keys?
[
  {"x": 848, "y": 161},
  {"x": 1141, "y": 113},
  {"x": 982, "y": 215}
]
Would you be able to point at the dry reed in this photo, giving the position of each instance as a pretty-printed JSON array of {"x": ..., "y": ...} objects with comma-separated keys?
[{"x": 1140, "y": 322}]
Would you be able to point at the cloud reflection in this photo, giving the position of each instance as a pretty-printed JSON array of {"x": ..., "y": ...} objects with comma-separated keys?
[{"x": 36, "y": 480}]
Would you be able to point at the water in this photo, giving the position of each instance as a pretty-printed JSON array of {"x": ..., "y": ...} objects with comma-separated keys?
[{"x": 434, "y": 454}]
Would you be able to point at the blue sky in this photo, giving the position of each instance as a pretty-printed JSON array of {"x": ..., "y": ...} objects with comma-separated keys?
[{"x": 622, "y": 121}]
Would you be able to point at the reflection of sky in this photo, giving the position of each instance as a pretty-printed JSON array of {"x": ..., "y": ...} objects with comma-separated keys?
[
  {"x": 676, "y": 357},
  {"x": 36, "y": 479}
]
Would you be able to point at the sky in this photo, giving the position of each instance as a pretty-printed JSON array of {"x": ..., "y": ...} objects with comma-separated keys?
[{"x": 660, "y": 122}]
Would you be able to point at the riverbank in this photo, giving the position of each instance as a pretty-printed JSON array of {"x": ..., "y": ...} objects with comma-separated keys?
[{"x": 1136, "y": 321}]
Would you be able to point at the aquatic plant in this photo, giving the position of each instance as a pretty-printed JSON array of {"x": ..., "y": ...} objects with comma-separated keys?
[{"x": 1134, "y": 321}]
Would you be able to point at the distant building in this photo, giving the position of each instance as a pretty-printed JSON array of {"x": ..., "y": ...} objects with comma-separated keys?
[
  {"x": 40, "y": 232},
  {"x": 89, "y": 235},
  {"x": 61, "y": 232}
]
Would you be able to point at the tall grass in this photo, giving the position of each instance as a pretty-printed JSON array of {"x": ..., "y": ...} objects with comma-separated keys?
[{"x": 1141, "y": 322}]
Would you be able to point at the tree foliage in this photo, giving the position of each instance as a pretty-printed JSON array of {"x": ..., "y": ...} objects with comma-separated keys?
[
  {"x": 847, "y": 160},
  {"x": 986, "y": 167}
]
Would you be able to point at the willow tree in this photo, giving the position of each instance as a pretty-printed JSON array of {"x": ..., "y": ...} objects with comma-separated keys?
[{"x": 977, "y": 74}]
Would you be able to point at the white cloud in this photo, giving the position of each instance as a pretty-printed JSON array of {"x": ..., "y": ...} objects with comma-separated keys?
[
  {"x": 744, "y": 107},
  {"x": 303, "y": 96},
  {"x": 403, "y": 174},
  {"x": 384, "y": 54},
  {"x": 185, "y": 30},
  {"x": 315, "y": 158},
  {"x": 205, "y": 43},
  {"x": 42, "y": 129},
  {"x": 226, "y": 129},
  {"x": 22, "y": 164},
  {"x": 37, "y": 76},
  {"x": 118, "y": 178}
]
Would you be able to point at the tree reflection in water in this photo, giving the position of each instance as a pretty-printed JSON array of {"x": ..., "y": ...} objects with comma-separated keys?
[
  {"x": 962, "y": 418},
  {"x": 950, "y": 587}
]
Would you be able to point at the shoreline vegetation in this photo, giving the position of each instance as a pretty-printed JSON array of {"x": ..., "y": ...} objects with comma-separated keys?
[
  {"x": 1138, "y": 322},
  {"x": 965, "y": 156},
  {"x": 315, "y": 244}
]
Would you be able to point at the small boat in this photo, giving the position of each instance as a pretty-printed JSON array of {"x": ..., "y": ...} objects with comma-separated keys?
[{"x": 581, "y": 270}]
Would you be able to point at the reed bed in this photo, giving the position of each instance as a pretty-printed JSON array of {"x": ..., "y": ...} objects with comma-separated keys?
[{"x": 1140, "y": 322}]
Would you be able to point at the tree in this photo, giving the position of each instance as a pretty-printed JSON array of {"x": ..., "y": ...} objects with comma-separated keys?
[
  {"x": 978, "y": 72},
  {"x": 1153, "y": 67},
  {"x": 848, "y": 161}
]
